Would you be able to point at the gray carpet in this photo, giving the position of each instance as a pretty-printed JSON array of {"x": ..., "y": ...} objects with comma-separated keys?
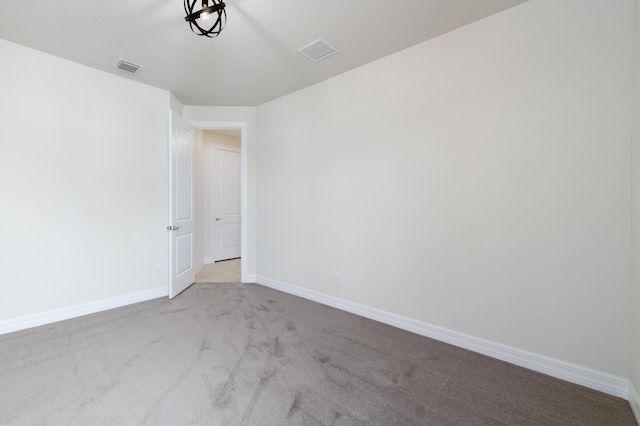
[{"x": 233, "y": 354}]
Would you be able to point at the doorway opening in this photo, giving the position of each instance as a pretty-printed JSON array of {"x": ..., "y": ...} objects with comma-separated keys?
[{"x": 218, "y": 227}]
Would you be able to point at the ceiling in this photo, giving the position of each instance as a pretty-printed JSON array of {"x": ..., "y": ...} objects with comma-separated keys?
[{"x": 255, "y": 58}]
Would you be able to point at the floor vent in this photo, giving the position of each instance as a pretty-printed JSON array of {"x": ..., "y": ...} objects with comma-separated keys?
[
  {"x": 318, "y": 50},
  {"x": 128, "y": 66}
]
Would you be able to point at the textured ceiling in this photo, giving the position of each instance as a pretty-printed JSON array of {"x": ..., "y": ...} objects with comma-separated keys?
[{"x": 255, "y": 58}]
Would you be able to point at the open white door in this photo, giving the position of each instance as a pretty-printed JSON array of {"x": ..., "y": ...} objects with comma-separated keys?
[{"x": 181, "y": 204}]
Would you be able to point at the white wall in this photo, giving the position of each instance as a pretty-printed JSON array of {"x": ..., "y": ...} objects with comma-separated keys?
[
  {"x": 635, "y": 254},
  {"x": 479, "y": 182},
  {"x": 211, "y": 137},
  {"x": 175, "y": 105},
  {"x": 83, "y": 184},
  {"x": 245, "y": 115}
]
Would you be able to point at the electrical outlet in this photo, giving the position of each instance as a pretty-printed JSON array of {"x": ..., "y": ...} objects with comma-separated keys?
[
  {"x": 157, "y": 272},
  {"x": 337, "y": 280}
]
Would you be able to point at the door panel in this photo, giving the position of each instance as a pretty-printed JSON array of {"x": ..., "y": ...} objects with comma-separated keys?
[
  {"x": 181, "y": 199},
  {"x": 227, "y": 224}
]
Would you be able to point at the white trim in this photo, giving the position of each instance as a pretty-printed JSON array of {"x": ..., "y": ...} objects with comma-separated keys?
[
  {"x": 244, "y": 146},
  {"x": 634, "y": 401},
  {"x": 49, "y": 317},
  {"x": 573, "y": 373},
  {"x": 208, "y": 260},
  {"x": 251, "y": 278}
]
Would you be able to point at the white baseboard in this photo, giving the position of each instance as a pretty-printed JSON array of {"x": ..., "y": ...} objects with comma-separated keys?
[
  {"x": 573, "y": 373},
  {"x": 634, "y": 401},
  {"x": 49, "y": 317},
  {"x": 249, "y": 278},
  {"x": 208, "y": 260}
]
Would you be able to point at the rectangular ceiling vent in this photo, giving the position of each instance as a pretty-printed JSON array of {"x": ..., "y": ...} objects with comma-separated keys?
[
  {"x": 128, "y": 66},
  {"x": 318, "y": 50}
]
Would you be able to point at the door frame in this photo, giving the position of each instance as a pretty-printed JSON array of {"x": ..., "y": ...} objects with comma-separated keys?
[{"x": 242, "y": 126}]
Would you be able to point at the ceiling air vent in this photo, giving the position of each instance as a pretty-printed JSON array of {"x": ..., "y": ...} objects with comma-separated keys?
[
  {"x": 128, "y": 66},
  {"x": 318, "y": 50}
]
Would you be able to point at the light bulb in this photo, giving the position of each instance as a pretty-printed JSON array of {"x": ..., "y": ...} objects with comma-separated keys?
[{"x": 205, "y": 15}]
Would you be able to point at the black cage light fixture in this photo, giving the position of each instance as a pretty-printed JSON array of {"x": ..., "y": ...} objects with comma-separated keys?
[{"x": 208, "y": 21}]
